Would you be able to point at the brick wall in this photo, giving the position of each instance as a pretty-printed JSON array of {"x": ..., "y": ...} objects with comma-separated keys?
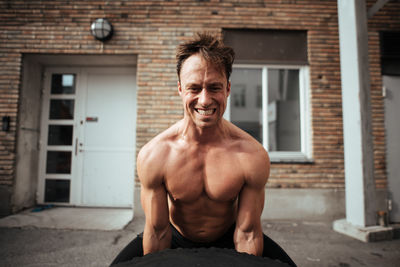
[{"x": 152, "y": 29}]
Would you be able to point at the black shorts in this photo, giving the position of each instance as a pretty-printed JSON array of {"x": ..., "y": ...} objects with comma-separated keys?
[{"x": 135, "y": 248}]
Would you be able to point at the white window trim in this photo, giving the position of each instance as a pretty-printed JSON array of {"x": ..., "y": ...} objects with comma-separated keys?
[{"x": 305, "y": 155}]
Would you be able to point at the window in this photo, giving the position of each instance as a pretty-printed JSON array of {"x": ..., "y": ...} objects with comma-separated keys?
[
  {"x": 269, "y": 90},
  {"x": 271, "y": 104}
]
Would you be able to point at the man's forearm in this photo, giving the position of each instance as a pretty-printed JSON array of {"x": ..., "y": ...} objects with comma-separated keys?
[
  {"x": 156, "y": 240},
  {"x": 250, "y": 242}
]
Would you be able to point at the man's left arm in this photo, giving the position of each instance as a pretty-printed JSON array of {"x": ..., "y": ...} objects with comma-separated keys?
[{"x": 248, "y": 235}]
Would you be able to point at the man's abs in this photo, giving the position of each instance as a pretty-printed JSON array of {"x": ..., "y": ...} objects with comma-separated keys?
[{"x": 204, "y": 220}]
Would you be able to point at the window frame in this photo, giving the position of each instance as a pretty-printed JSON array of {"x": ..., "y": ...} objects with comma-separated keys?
[{"x": 305, "y": 153}]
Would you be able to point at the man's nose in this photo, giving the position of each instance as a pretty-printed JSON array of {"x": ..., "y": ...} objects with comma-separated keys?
[{"x": 204, "y": 98}]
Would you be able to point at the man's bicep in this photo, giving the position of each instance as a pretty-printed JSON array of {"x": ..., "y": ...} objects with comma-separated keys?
[
  {"x": 251, "y": 197},
  {"x": 251, "y": 204},
  {"x": 155, "y": 206},
  {"x": 153, "y": 192}
]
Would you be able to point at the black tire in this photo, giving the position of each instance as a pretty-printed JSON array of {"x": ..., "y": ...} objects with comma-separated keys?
[{"x": 199, "y": 257}]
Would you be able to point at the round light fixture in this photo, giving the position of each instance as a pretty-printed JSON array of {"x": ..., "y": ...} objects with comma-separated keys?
[{"x": 101, "y": 29}]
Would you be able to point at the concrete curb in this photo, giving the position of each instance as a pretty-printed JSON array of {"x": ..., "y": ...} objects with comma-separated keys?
[{"x": 367, "y": 234}]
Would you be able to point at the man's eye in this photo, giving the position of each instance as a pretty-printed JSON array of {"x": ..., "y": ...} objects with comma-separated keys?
[{"x": 215, "y": 88}]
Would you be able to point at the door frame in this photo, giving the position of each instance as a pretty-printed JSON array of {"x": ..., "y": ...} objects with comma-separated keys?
[{"x": 75, "y": 176}]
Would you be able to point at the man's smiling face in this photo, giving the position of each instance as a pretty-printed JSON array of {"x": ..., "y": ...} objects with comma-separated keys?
[{"x": 204, "y": 90}]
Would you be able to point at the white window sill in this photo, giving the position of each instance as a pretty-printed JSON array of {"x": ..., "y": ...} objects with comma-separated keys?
[{"x": 289, "y": 157}]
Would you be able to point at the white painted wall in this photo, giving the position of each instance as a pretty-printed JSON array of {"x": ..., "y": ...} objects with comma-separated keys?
[{"x": 357, "y": 122}]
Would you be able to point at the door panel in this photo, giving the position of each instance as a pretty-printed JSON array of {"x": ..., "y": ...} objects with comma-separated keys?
[
  {"x": 108, "y": 148},
  {"x": 110, "y": 102},
  {"x": 106, "y": 178},
  {"x": 392, "y": 127}
]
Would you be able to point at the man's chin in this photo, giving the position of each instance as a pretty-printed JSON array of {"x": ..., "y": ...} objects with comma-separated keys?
[{"x": 206, "y": 123}]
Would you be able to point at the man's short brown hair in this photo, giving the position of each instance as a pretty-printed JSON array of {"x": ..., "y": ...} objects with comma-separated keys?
[{"x": 211, "y": 48}]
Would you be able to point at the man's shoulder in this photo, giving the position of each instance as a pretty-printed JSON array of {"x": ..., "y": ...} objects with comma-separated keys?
[
  {"x": 245, "y": 143},
  {"x": 252, "y": 152},
  {"x": 152, "y": 157},
  {"x": 158, "y": 147},
  {"x": 253, "y": 156}
]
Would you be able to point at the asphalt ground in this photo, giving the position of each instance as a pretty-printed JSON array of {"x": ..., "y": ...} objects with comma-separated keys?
[{"x": 309, "y": 243}]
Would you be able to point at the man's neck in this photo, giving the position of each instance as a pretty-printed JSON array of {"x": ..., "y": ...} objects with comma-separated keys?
[{"x": 202, "y": 135}]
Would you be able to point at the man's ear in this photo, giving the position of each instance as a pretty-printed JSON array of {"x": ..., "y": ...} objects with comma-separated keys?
[
  {"x": 179, "y": 88},
  {"x": 228, "y": 88}
]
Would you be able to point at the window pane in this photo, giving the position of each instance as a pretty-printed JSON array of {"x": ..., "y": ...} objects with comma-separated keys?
[
  {"x": 283, "y": 110},
  {"x": 57, "y": 190},
  {"x": 58, "y": 162},
  {"x": 60, "y": 135},
  {"x": 245, "y": 101},
  {"x": 63, "y": 84},
  {"x": 61, "y": 109}
]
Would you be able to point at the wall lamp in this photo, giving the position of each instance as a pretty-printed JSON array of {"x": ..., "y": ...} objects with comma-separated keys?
[{"x": 101, "y": 29}]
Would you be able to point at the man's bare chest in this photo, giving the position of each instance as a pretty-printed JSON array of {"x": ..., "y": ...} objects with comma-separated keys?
[{"x": 191, "y": 175}]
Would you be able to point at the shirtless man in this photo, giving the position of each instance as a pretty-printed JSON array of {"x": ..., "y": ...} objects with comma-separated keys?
[{"x": 203, "y": 178}]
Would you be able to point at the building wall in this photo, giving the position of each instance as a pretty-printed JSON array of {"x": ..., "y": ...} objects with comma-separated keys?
[{"x": 152, "y": 30}]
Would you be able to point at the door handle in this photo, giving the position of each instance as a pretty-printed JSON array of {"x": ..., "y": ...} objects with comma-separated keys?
[{"x": 76, "y": 147}]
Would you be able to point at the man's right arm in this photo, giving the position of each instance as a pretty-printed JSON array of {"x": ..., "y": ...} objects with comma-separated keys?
[{"x": 157, "y": 231}]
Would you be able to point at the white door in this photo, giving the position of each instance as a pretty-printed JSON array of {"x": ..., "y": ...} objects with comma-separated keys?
[
  {"x": 392, "y": 127},
  {"x": 88, "y": 141}
]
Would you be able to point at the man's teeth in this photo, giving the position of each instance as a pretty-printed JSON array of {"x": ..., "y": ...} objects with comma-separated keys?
[{"x": 205, "y": 111}]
